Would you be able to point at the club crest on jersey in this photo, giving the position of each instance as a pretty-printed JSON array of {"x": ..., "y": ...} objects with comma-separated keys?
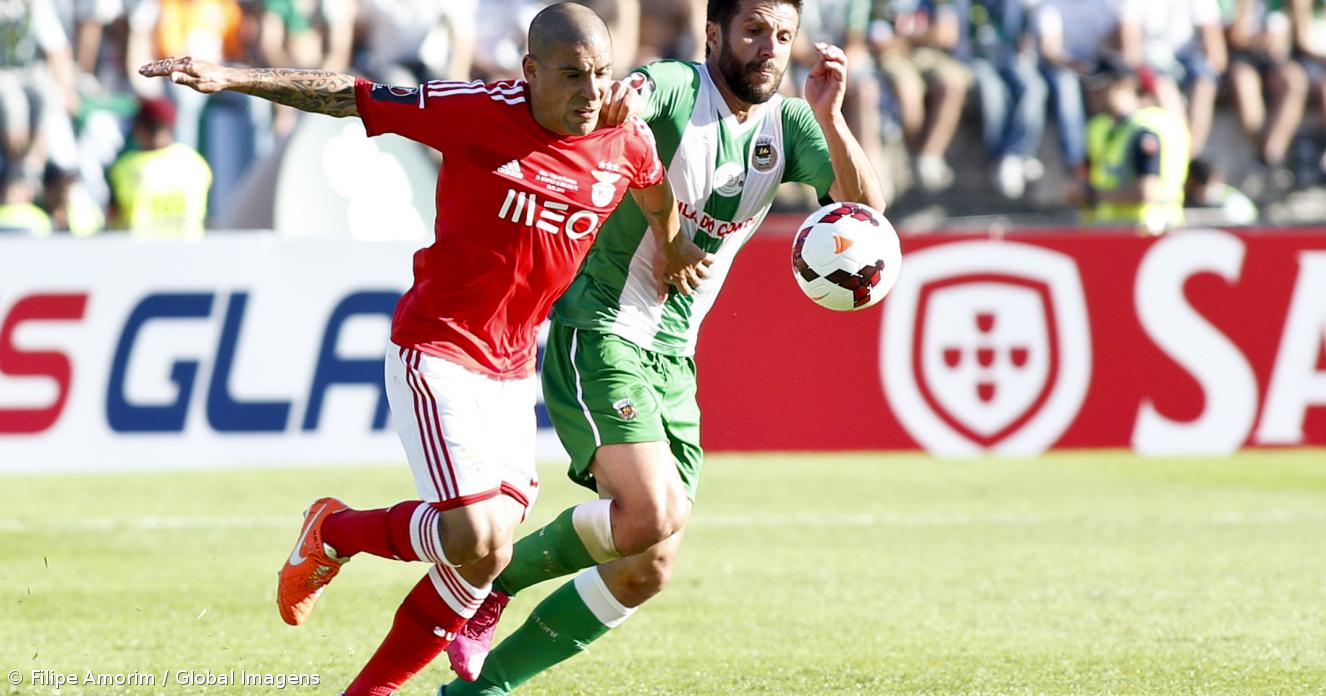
[
  {"x": 398, "y": 95},
  {"x": 604, "y": 188},
  {"x": 764, "y": 155},
  {"x": 624, "y": 409},
  {"x": 729, "y": 178},
  {"x": 641, "y": 83}
]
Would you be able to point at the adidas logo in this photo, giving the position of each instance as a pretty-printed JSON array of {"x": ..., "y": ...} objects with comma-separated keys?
[{"x": 511, "y": 169}]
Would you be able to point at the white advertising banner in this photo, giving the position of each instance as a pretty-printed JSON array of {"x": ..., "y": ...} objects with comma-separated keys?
[{"x": 245, "y": 349}]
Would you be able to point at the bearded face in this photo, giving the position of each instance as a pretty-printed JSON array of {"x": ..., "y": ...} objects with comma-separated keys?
[
  {"x": 753, "y": 81},
  {"x": 753, "y": 50}
]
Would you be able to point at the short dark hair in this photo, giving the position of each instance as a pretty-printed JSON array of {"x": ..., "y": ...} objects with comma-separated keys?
[{"x": 722, "y": 11}]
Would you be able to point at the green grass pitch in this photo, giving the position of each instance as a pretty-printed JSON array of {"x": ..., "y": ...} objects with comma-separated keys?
[{"x": 1098, "y": 573}]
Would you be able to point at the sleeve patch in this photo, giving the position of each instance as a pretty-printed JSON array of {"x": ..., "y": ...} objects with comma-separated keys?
[
  {"x": 395, "y": 95},
  {"x": 640, "y": 82}
]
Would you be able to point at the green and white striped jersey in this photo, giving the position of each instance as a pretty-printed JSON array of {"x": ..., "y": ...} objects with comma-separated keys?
[{"x": 724, "y": 175}]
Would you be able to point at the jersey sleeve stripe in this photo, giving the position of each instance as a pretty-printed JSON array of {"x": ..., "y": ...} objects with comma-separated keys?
[
  {"x": 475, "y": 88},
  {"x": 440, "y": 84},
  {"x": 495, "y": 97}
]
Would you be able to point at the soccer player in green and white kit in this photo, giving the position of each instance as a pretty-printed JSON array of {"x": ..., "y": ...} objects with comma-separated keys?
[{"x": 618, "y": 374}]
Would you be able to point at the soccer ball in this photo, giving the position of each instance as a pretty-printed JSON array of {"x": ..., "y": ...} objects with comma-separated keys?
[{"x": 846, "y": 256}]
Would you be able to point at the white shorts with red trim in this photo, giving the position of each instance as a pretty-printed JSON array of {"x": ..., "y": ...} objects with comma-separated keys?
[{"x": 468, "y": 437}]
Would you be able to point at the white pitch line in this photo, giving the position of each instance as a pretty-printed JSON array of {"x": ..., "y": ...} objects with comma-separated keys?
[{"x": 937, "y": 520}]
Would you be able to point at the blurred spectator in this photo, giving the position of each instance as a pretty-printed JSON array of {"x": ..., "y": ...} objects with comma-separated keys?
[
  {"x": 1071, "y": 36},
  {"x": 70, "y": 205},
  {"x": 37, "y": 92},
  {"x": 86, "y": 24},
  {"x": 843, "y": 23},
  {"x": 1011, "y": 91},
  {"x": 304, "y": 34},
  {"x": 18, "y": 212},
  {"x": 98, "y": 30},
  {"x": 1260, "y": 48},
  {"x": 161, "y": 188},
  {"x": 500, "y": 40},
  {"x": 1309, "y": 26},
  {"x": 673, "y": 29},
  {"x": 206, "y": 29},
  {"x": 411, "y": 41},
  {"x": 308, "y": 33},
  {"x": 1183, "y": 43},
  {"x": 1139, "y": 166},
  {"x": 1206, "y": 189},
  {"x": 914, "y": 46}
]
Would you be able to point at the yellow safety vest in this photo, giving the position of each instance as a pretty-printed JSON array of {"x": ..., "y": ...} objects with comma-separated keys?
[
  {"x": 25, "y": 216},
  {"x": 162, "y": 194},
  {"x": 1115, "y": 169}
]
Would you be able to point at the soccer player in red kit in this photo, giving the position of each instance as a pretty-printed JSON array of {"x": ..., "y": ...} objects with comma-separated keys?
[{"x": 526, "y": 182}]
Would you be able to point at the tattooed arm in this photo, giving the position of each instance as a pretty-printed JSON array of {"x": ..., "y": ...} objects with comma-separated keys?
[
  {"x": 680, "y": 262},
  {"x": 316, "y": 91}
]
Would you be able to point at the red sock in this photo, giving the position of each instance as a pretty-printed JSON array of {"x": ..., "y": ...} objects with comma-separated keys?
[
  {"x": 383, "y": 532},
  {"x": 424, "y": 626}
]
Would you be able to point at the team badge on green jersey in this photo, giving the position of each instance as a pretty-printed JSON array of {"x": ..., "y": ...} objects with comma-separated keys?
[
  {"x": 624, "y": 409},
  {"x": 764, "y": 156}
]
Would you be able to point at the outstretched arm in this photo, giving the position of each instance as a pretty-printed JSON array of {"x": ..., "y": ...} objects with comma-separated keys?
[
  {"x": 854, "y": 177},
  {"x": 315, "y": 91}
]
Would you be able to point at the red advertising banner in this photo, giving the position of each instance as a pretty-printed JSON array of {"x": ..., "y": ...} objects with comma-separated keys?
[{"x": 1200, "y": 341}]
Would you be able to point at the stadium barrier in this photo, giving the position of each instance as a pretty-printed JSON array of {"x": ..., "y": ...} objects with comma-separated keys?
[{"x": 252, "y": 349}]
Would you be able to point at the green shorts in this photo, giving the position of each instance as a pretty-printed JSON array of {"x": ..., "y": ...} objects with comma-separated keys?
[{"x": 602, "y": 389}]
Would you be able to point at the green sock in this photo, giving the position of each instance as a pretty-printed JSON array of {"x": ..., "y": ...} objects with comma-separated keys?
[
  {"x": 580, "y": 537},
  {"x": 561, "y": 626}
]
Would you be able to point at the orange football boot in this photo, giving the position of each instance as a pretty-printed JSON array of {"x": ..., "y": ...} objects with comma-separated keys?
[{"x": 310, "y": 566}]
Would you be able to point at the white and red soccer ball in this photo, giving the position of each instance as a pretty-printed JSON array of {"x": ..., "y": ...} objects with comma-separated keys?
[{"x": 846, "y": 256}]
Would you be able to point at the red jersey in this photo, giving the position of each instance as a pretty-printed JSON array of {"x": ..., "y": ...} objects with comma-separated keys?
[{"x": 518, "y": 207}]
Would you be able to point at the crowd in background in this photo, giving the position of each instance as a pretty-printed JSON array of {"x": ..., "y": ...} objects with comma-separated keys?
[{"x": 88, "y": 145}]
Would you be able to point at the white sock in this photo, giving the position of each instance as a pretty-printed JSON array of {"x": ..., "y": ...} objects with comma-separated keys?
[{"x": 596, "y": 595}]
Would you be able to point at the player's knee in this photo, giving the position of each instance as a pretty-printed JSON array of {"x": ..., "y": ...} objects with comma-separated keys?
[
  {"x": 493, "y": 564},
  {"x": 463, "y": 546},
  {"x": 473, "y": 533},
  {"x": 651, "y": 520}
]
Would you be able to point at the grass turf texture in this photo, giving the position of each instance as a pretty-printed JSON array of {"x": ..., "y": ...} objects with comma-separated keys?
[{"x": 1072, "y": 573}]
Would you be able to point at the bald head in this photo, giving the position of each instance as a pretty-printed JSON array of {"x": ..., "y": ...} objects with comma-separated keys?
[
  {"x": 568, "y": 67},
  {"x": 567, "y": 24}
]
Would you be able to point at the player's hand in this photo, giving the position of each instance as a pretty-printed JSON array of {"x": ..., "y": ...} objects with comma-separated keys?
[
  {"x": 198, "y": 74},
  {"x": 827, "y": 82},
  {"x": 620, "y": 102},
  {"x": 682, "y": 265}
]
